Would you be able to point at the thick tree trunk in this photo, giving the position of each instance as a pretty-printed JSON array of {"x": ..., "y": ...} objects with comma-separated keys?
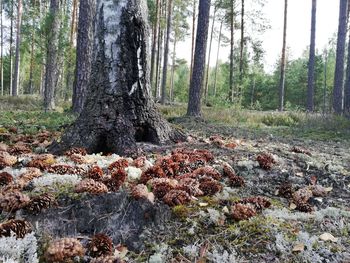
[
  {"x": 155, "y": 42},
  {"x": 51, "y": 76},
  {"x": 166, "y": 51},
  {"x": 118, "y": 111},
  {"x": 18, "y": 54},
  {"x": 217, "y": 59},
  {"x": 232, "y": 45},
  {"x": 73, "y": 23},
  {"x": 173, "y": 71},
  {"x": 31, "y": 69},
  {"x": 347, "y": 82},
  {"x": 194, "y": 15},
  {"x": 194, "y": 102},
  {"x": 311, "y": 74},
  {"x": 283, "y": 59},
  {"x": 87, "y": 9},
  {"x": 2, "y": 49},
  {"x": 340, "y": 57}
]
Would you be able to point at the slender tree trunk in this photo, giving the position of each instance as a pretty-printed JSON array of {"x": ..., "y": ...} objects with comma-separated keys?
[
  {"x": 173, "y": 71},
  {"x": 159, "y": 53},
  {"x": 217, "y": 59},
  {"x": 73, "y": 23},
  {"x": 154, "y": 42},
  {"x": 206, "y": 89},
  {"x": 194, "y": 103},
  {"x": 283, "y": 59},
  {"x": 18, "y": 54},
  {"x": 252, "y": 98},
  {"x": 325, "y": 81},
  {"x": 166, "y": 51},
  {"x": 340, "y": 57},
  {"x": 119, "y": 111},
  {"x": 87, "y": 10},
  {"x": 194, "y": 15},
  {"x": 241, "y": 46},
  {"x": 347, "y": 85},
  {"x": 311, "y": 74},
  {"x": 2, "y": 49},
  {"x": 31, "y": 69},
  {"x": 232, "y": 43},
  {"x": 11, "y": 49},
  {"x": 51, "y": 76}
]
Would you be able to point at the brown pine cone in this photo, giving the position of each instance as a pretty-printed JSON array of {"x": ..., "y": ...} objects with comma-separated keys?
[
  {"x": 100, "y": 245},
  {"x": 118, "y": 165},
  {"x": 95, "y": 173},
  {"x": 75, "y": 150},
  {"x": 29, "y": 175},
  {"x": 64, "y": 250},
  {"x": 39, "y": 203},
  {"x": 42, "y": 161},
  {"x": 91, "y": 186},
  {"x": 208, "y": 172},
  {"x": 190, "y": 186},
  {"x": 266, "y": 161},
  {"x": 176, "y": 197},
  {"x": 140, "y": 191},
  {"x": 151, "y": 173},
  {"x": 7, "y": 160},
  {"x": 302, "y": 195},
  {"x": 116, "y": 180},
  {"x": 19, "y": 149},
  {"x": 77, "y": 158},
  {"x": 286, "y": 190},
  {"x": 305, "y": 207},
  {"x": 5, "y": 179},
  {"x": 66, "y": 169},
  {"x": 19, "y": 227},
  {"x": 258, "y": 202},
  {"x": 209, "y": 186},
  {"x": 161, "y": 189},
  {"x": 13, "y": 201},
  {"x": 242, "y": 211}
]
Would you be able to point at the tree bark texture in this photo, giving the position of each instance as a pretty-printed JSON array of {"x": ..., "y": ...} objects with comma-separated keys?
[
  {"x": 311, "y": 73},
  {"x": 18, "y": 54},
  {"x": 87, "y": 9},
  {"x": 347, "y": 83},
  {"x": 2, "y": 49},
  {"x": 194, "y": 103},
  {"x": 155, "y": 42},
  {"x": 118, "y": 111},
  {"x": 340, "y": 57},
  {"x": 283, "y": 59},
  {"x": 11, "y": 48},
  {"x": 194, "y": 15},
  {"x": 241, "y": 45},
  {"x": 232, "y": 45}
]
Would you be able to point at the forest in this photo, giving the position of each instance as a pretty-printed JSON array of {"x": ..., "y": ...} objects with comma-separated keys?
[{"x": 174, "y": 131}]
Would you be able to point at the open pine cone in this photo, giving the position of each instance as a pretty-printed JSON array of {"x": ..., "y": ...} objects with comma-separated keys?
[
  {"x": 7, "y": 159},
  {"x": 95, "y": 173},
  {"x": 19, "y": 148},
  {"x": 39, "y": 203},
  {"x": 285, "y": 190},
  {"x": 242, "y": 211},
  {"x": 19, "y": 227},
  {"x": 258, "y": 202},
  {"x": 266, "y": 161},
  {"x": 75, "y": 150},
  {"x": 63, "y": 250},
  {"x": 13, "y": 201},
  {"x": 28, "y": 176},
  {"x": 5, "y": 179},
  {"x": 210, "y": 186},
  {"x": 140, "y": 191},
  {"x": 176, "y": 197},
  {"x": 207, "y": 172},
  {"x": 91, "y": 186},
  {"x": 302, "y": 195},
  {"x": 100, "y": 245},
  {"x": 118, "y": 165}
]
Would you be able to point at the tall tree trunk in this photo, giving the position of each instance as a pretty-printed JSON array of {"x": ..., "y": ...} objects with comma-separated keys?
[
  {"x": 2, "y": 49},
  {"x": 194, "y": 102},
  {"x": 15, "y": 84},
  {"x": 31, "y": 69},
  {"x": 311, "y": 74},
  {"x": 51, "y": 76},
  {"x": 325, "y": 81},
  {"x": 340, "y": 58},
  {"x": 206, "y": 89},
  {"x": 73, "y": 23},
  {"x": 166, "y": 51},
  {"x": 11, "y": 48},
  {"x": 155, "y": 41},
  {"x": 217, "y": 59},
  {"x": 194, "y": 15},
  {"x": 232, "y": 45},
  {"x": 119, "y": 111},
  {"x": 241, "y": 46},
  {"x": 173, "y": 71},
  {"x": 283, "y": 59},
  {"x": 252, "y": 98},
  {"x": 159, "y": 52},
  {"x": 87, "y": 9}
]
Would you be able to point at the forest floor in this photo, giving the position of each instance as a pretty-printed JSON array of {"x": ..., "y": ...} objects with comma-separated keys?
[{"x": 306, "y": 220}]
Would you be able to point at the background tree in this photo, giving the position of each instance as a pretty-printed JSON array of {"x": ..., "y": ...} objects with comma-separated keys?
[
  {"x": 311, "y": 68},
  {"x": 283, "y": 59}
]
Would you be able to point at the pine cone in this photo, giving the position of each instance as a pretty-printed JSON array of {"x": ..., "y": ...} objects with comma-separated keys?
[
  {"x": 208, "y": 172},
  {"x": 139, "y": 162},
  {"x": 5, "y": 179},
  {"x": 151, "y": 173},
  {"x": 100, "y": 245},
  {"x": 7, "y": 160},
  {"x": 64, "y": 250},
  {"x": 297, "y": 149},
  {"x": 28, "y": 176},
  {"x": 95, "y": 173},
  {"x": 259, "y": 202},
  {"x": 66, "y": 169},
  {"x": 39, "y": 203},
  {"x": 305, "y": 207},
  {"x": 318, "y": 191},
  {"x": 161, "y": 189},
  {"x": 118, "y": 165},
  {"x": 176, "y": 197},
  {"x": 266, "y": 161},
  {"x": 42, "y": 161},
  {"x": 3, "y": 147},
  {"x": 116, "y": 180},
  {"x": 190, "y": 186},
  {"x": 77, "y": 158},
  {"x": 242, "y": 211},
  {"x": 210, "y": 187},
  {"x": 302, "y": 195},
  {"x": 285, "y": 190},
  {"x": 140, "y": 191},
  {"x": 75, "y": 150},
  {"x": 19, "y": 227},
  {"x": 91, "y": 186},
  {"x": 13, "y": 201},
  {"x": 106, "y": 259},
  {"x": 19, "y": 149}
]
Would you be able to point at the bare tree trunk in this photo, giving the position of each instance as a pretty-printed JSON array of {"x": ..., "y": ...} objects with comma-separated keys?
[
  {"x": 119, "y": 111},
  {"x": 73, "y": 23},
  {"x": 194, "y": 102},
  {"x": 154, "y": 42},
  {"x": 217, "y": 58},
  {"x": 283, "y": 59},
  {"x": 15, "y": 84},
  {"x": 206, "y": 89},
  {"x": 87, "y": 9},
  {"x": 325, "y": 81},
  {"x": 31, "y": 69},
  {"x": 166, "y": 51},
  {"x": 159, "y": 53},
  {"x": 11, "y": 49},
  {"x": 51, "y": 76},
  {"x": 252, "y": 98},
  {"x": 311, "y": 75},
  {"x": 241, "y": 47},
  {"x": 194, "y": 15},
  {"x": 173, "y": 71},
  {"x": 2, "y": 49},
  {"x": 232, "y": 43}
]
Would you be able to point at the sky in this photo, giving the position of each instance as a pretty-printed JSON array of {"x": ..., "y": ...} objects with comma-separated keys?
[{"x": 298, "y": 30}]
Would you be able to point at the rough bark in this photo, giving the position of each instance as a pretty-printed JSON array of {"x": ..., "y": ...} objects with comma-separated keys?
[
  {"x": 155, "y": 42},
  {"x": 347, "y": 80},
  {"x": 283, "y": 59},
  {"x": 340, "y": 57},
  {"x": 118, "y": 111},
  {"x": 173, "y": 71},
  {"x": 194, "y": 15},
  {"x": 51, "y": 76},
  {"x": 311, "y": 73},
  {"x": 159, "y": 53},
  {"x": 241, "y": 45},
  {"x": 194, "y": 103},
  {"x": 217, "y": 59},
  {"x": 166, "y": 51},
  {"x": 87, "y": 9},
  {"x": 11, "y": 48},
  {"x": 325, "y": 81},
  {"x": 232, "y": 43},
  {"x": 15, "y": 83},
  {"x": 31, "y": 69},
  {"x": 2, "y": 49}
]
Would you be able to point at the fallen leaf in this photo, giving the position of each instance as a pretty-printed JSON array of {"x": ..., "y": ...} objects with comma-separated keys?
[
  {"x": 292, "y": 206},
  {"x": 328, "y": 237},
  {"x": 328, "y": 189},
  {"x": 299, "y": 174},
  {"x": 299, "y": 247},
  {"x": 203, "y": 204},
  {"x": 225, "y": 210}
]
